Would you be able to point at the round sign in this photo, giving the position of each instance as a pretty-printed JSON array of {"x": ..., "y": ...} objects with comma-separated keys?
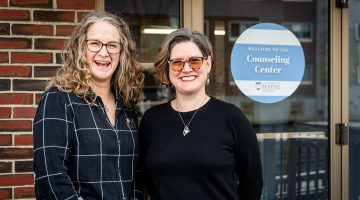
[{"x": 267, "y": 62}]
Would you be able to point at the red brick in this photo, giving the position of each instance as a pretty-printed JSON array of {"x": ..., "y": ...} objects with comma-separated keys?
[
  {"x": 45, "y": 71},
  {"x": 14, "y": 15},
  {"x": 15, "y": 125},
  {"x": 31, "y": 3},
  {"x": 5, "y": 113},
  {"x": 16, "y": 98},
  {"x": 32, "y": 29},
  {"x": 81, "y": 15},
  {"x": 77, "y": 5},
  {"x": 3, "y": 3},
  {"x": 29, "y": 85},
  {"x": 5, "y": 139},
  {"x": 53, "y": 44},
  {"x": 23, "y": 166},
  {"x": 5, "y": 167},
  {"x": 4, "y": 28},
  {"x": 54, "y": 16},
  {"x": 31, "y": 57},
  {"x": 24, "y": 192},
  {"x": 16, "y": 153},
  {"x": 24, "y": 112},
  {"x": 15, "y": 71},
  {"x": 37, "y": 98},
  {"x": 25, "y": 139},
  {"x": 16, "y": 179},
  {"x": 5, "y": 84},
  {"x": 64, "y": 30},
  {"x": 4, "y": 57},
  {"x": 15, "y": 43},
  {"x": 5, "y": 193}
]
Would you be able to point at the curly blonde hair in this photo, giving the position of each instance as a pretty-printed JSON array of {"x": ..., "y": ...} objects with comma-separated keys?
[
  {"x": 74, "y": 76},
  {"x": 161, "y": 65}
]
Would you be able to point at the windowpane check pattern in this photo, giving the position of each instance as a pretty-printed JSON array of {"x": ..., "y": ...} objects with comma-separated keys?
[{"x": 78, "y": 154}]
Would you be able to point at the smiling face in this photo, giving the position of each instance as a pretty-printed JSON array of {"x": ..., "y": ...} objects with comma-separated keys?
[
  {"x": 102, "y": 64},
  {"x": 189, "y": 81}
]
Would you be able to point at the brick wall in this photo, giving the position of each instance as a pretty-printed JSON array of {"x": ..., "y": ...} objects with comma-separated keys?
[{"x": 32, "y": 34}]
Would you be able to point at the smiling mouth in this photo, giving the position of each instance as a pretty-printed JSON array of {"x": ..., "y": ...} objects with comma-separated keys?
[
  {"x": 188, "y": 78},
  {"x": 103, "y": 64}
]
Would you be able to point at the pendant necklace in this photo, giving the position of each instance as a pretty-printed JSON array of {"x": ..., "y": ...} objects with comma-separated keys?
[{"x": 186, "y": 126}]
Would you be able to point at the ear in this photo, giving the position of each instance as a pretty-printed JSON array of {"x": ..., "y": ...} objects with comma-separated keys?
[{"x": 208, "y": 63}]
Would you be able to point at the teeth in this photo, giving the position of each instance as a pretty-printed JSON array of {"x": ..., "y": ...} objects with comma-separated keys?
[
  {"x": 102, "y": 63},
  {"x": 188, "y": 78}
]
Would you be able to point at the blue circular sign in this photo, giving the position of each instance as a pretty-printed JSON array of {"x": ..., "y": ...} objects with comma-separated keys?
[{"x": 267, "y": 62}]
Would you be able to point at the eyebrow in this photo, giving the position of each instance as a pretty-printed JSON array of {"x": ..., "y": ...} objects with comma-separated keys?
[
  {"x": 187, "y": 58},
  {"x": 106, "y": 42}
]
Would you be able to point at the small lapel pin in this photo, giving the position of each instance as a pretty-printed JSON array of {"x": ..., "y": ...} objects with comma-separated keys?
[{"x": 130, "y": 123}]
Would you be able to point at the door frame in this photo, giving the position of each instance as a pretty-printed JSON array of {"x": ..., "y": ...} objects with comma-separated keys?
[{"x": 339, "y": 98}]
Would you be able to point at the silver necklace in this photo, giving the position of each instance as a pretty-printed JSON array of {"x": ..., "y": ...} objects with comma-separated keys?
[{"x": 186, "y": 126}]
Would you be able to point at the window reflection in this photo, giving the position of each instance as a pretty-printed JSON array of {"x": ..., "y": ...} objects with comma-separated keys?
[
  {"x": 354, "y": 96},
  {"x": 292, "y": 134}
]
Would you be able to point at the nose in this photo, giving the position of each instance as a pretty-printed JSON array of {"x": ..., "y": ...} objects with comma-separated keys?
[
  {"x": 187, "y": 67},
  {"x": 103, "y": 51}
]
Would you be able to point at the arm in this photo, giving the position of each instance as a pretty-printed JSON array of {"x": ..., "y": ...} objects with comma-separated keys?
[
  {"x": 146, "y": 178},
  {"x": 52, "y": 128},
  {"x": 137, "y": 190},
  {"x": 248, "y": 162}
]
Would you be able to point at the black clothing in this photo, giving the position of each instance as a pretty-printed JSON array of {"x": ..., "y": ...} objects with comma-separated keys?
[
  {"x": 78, "y": 154},
  {"x": 204, "y": 163}
]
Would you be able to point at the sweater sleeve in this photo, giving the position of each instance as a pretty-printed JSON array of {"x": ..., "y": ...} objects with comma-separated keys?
[
  {"x": 143, "y": 144},
  {"x": 248, "y": 162},
  {"x": 53, "y": 127}
]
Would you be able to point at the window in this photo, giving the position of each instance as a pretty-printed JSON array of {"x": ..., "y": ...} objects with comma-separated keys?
[
  {"x": 302, "y": 30},
  {"x": 357, "y": 31},
  {"x": 237, "y": 27},
  {"x": 308, "y": 75}
]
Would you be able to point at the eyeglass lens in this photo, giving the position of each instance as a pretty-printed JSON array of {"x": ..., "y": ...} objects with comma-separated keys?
[
  {"x": 96, "y": 46},
  {"x": 195, "y": 63}
]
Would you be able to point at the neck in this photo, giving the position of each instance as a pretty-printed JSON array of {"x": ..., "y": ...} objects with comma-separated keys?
[
  {"x": 101, "y": 89},
  {"x": 189, "y": 103}
]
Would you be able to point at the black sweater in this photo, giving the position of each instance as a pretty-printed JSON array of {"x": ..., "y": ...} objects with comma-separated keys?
[{"x": 204, "y": 163}]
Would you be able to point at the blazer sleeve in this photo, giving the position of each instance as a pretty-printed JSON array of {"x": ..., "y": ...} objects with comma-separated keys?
[
  {"x": 52, "y": 131},
  {"x": 248, "y": 162}
]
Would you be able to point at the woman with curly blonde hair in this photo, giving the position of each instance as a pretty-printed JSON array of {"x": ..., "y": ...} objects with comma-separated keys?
[{"x": 85, "y": 128}]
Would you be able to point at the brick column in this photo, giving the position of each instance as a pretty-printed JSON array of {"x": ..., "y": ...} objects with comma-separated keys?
[{"x": 32, "y": 35}]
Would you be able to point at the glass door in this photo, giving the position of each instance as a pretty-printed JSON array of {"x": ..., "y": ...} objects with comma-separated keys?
[
  {"x": 293, "y": 134},
  {"x": 354, "y": 98}
]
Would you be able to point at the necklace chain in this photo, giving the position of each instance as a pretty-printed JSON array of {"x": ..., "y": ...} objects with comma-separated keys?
[{"x": 186, "y": 126}]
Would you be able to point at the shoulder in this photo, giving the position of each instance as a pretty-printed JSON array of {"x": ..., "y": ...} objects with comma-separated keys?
[
  {"x": 54, "y": 92},
  {"x": 155, "y": 113},
  {"x": 54, "y": 96},
  {"x": 228, "y": 109},
  {"x": 222, "y": 105},
  {"x": 53, "y": 104},
  {"x": 157, "y": 110}
]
